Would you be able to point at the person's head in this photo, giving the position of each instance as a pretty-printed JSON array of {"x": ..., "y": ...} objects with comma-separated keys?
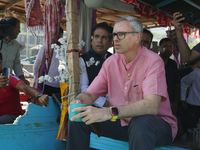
[
  {"x": 195, "y": 63},
  {"x": 101, "y": 39},
  {"x": 0, "y": 63},
  {"x": 167, "y": 46},
  {"x": 146, "y": 38},
  {"x": 16, "y": 25},
  {"x": 127, "y": 34}
]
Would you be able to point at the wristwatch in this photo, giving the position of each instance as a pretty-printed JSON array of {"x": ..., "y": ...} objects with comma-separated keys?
[
  {"x": 114, "y": 112},
  {"x": 39, "y": 95}
]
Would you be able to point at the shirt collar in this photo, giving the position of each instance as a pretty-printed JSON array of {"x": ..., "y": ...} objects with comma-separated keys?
[
  {"x": 98, "y": 55},
  {"x": 10, "y": 42}
]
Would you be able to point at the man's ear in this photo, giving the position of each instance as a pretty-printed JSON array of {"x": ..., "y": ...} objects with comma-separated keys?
[{"x": 138, "y": 37}]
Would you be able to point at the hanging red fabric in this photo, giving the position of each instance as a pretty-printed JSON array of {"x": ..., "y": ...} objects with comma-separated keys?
[
  {"x": 52, "y": 18},
  {"x": 34, "y": 16},
  {"x": 186, "y": 28}
]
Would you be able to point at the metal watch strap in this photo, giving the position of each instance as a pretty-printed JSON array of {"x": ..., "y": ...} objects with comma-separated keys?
[{"x": 39, "y": 95}]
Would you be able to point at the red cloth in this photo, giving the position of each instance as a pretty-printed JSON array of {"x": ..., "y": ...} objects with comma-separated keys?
[
  {"x": 10, "y": 98},
  {"x": 186, "y": 28},
  {"x": 34, "y": 16},
  {"x": 24, "y": 97},
  {"x": 52, "y": 18}
]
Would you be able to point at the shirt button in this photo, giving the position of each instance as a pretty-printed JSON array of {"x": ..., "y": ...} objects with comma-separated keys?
[
  {"x": 126, "y": 102},
  {"x": 125, "y": 87}
]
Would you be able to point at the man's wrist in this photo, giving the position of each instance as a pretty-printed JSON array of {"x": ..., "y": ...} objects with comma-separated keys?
[{"x": 39, "y": 95}]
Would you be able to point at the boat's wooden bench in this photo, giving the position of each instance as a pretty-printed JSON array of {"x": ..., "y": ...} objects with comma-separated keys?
[
  {"x": 104, "y": 143},
  {"x": 35, "y": 130},
  {"x": 38, "y": 128}
]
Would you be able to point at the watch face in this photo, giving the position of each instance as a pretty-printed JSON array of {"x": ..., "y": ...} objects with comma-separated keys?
[{"x": 115, "y": 111}]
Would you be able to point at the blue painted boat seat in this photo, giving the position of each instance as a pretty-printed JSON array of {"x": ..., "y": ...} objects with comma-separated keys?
[
  {"x": 104, "y": 143},
  {"x": 35, "y": 130}
]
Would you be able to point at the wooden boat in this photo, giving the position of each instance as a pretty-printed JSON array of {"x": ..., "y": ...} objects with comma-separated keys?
[{"x": 38, "y": 128}]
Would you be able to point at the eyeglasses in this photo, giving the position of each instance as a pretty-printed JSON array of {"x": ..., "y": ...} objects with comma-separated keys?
[{"x": 120, "y": 35}]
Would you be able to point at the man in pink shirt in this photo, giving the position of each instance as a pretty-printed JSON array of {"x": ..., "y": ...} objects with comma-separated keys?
[{"x": 134, "y": 79}]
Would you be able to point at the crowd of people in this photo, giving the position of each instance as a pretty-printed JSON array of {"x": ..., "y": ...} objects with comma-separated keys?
[{"x": 135, "y": 95}]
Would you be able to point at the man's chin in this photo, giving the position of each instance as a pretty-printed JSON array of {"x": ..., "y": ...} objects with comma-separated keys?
[{"x": 118, "y": 51}]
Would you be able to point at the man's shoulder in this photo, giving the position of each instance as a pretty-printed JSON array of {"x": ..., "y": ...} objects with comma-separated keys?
[
  {"x": 14, "y": 77},
  {"x": 113, "y": 57},
  {"x": 150, "y": 54},
  {"x": 197, "y": 71},
  {"x": 86, "y": 54},
  {"x": 172, "y": 61}
]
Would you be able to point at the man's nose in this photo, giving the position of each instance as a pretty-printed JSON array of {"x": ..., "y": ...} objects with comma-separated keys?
[{"x": 100, "y": 39}]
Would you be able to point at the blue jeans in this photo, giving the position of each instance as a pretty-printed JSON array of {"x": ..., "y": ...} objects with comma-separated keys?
[
  {"x": 143, "y": 133},
  {"x": 7, "y": 119}
]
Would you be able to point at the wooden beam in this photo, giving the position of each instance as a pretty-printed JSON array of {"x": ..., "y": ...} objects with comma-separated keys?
[
  {"x": 73, "y": 57},
  {"x": 12, "y": 3},
  {"x": 14, "y": 7}
]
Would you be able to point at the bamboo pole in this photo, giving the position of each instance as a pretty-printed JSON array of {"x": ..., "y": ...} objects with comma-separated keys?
[{"x": 73, "y": 56}]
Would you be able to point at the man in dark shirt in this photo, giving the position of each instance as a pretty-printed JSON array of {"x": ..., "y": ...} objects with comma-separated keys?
[
  {"x": 171, "y": 73},
  {"x": 91, "y": 62}
]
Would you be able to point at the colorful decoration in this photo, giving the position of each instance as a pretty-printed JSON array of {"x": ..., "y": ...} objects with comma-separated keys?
[
  {"x": 196, "y": 34},
  {"x": 63, "y": 132},
  {"x": 145, "y": 11},
  {"x": 186, "y": 28},
  {"x": 52, "y": 18},
  {"x": 34, "y": 16}
]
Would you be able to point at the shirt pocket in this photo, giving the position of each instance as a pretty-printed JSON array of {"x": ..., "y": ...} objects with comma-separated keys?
[{"x": 137, "y": 91}]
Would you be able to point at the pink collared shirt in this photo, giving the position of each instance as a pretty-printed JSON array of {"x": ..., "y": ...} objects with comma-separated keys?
[{"x": 128, "y": 83}]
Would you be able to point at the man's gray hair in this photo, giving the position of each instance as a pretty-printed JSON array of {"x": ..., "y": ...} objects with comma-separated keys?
[{"x": 136, "y": 25}]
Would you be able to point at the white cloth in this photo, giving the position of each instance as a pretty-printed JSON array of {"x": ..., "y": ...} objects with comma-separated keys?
[
  {"x": 53, "y": 69},
  {"x": 192, "y": 79},
  {"x": 84, "y": 83},
  {"x": 85, "y": 25}
]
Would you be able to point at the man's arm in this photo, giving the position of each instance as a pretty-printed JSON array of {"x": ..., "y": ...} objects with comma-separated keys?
[
  {"x": 185, "y": 83},
  {"x": 43, "y": 100},
  {"x": 24, "y": 80},
  {"x": 84, "y": 83},
  {"x": 186, "y": 54},
  {"x": 147, "y": 106}
]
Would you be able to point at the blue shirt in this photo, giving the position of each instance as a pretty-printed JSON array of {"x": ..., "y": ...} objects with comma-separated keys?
[
  {"x": 192, "y": 79},
  {"x": 197, "y": 47}
]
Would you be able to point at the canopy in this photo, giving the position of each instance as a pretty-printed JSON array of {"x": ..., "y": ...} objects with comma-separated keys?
[{"x": 113, "y": 9}]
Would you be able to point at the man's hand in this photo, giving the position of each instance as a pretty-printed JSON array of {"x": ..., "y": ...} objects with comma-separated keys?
[
  {"x": 183, "y": 105},
  {"x": 43, "y": 100},
  {"x": 92, "y": 114},
  {"x": 174, "y": 107},
  {"x": 176, "y": 22},
  {"x": 3, "y": 81}
]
